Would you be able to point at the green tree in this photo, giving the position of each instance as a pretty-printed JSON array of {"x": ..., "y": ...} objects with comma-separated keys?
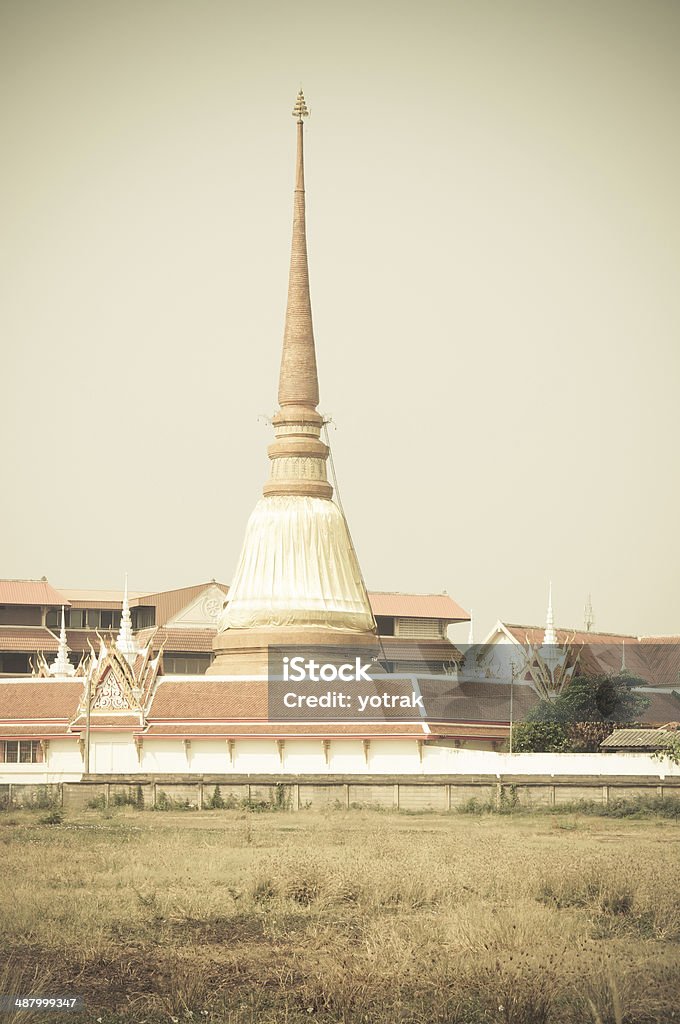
[
  {"x": 539, "y": 737},
  {"x": 593, "y": 699}
]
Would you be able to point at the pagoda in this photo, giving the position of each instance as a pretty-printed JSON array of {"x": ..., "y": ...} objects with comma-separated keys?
[{"x": 298, "y": 580}]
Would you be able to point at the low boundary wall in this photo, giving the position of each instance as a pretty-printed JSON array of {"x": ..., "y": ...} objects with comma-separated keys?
[{"x": 400, "y": 792}]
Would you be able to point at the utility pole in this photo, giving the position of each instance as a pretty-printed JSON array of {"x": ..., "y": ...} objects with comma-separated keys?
[
  {"x": 512, "y": 693},
  {"x": 87, "y": 725}
]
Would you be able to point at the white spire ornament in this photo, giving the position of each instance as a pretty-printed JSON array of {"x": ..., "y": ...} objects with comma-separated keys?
[
  {"x": 61, "y": 666},
  {"x": 549, "y": 636},
  {"x": 624, "y": 670},
  {"x": 126, "y": 643},
  {"x": 588, "y": 616}
]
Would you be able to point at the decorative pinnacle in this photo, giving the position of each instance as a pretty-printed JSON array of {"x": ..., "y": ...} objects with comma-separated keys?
[
  {"x": 549, "y": 636},
  {"x": 300, "y": 109}
]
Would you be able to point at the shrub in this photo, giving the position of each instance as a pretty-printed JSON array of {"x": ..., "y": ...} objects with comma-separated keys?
[
  {"x": 55, "y": 817},
  {"x": 132, "y": 797},
  {"x": 539, "y": 737},
  {"x": 216, "y": 801},
  {"x": 166, "y": 803}
]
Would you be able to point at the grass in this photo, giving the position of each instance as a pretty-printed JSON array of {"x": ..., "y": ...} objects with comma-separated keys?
[{"x": 346, "y": 916}]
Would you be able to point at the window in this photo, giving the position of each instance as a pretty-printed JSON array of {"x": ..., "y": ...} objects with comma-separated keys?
[
  {"x": 423, "y": 629},
  {"x": 178, "y": 664},
  {"x": 385, "y": 624},
  {"x": 20, "y": 751},
  {"x": 20, "y": 615},
  {"x": 143, "y": 617},
  {"x": 53, "y": 618},
  {"x": 13, "y": 664}
]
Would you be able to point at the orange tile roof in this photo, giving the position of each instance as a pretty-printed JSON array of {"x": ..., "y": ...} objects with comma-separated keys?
[
  {"x": 412, "y": 650},
  {"x": 107, "y": 721},
  {"x": 166, "y": 602},
  {"x": 417, "y": 606},
  {"x": 38, "y": 731},
  {"x": 178, "y": 639},
  {"x": 468, "y": 730},
  {"x": 203, "y": 699},
  {"x": 280, "y": 730},
  {"x": 30, "y": 592},
  {"x": 656, "y": 660},
  {"x": 27, "y": 639},
  {"x": 39, "y": 700}
]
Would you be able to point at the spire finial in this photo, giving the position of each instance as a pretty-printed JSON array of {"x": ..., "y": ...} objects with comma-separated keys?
[
  {"x": 471, "y": 632},
  {"x": 588, "y": 615},
  {"x": 61, "y": 666},
  {"x": 549, "y": 636},
  {"x": 126, "y": 641},
  {"x": 300, "y": 109}
]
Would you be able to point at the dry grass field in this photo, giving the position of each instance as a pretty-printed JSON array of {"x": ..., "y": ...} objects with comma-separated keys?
[{"x": 356, "y": 916}]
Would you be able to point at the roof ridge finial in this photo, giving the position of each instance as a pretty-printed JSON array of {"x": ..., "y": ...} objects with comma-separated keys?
[
  {"x": 61, "y": 666},
  {"x": 588, "y": 615},
  {"x": 125, "y": 642},
  {"x": 624, "y": 670},
  {"x": 471, "y": 632},
  {"x": 549, "y": 636}
]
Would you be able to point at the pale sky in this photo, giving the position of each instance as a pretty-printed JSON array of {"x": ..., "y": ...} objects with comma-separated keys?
[{"x": 494, "y": 244}]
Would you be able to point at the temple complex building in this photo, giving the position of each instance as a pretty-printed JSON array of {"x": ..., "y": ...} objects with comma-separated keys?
[
  {"x": 183, "y": 623},
  {"x": 173, "y": 684}
]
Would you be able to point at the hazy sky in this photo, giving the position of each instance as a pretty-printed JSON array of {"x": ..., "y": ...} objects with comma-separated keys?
[{"x": 494, "y": 240}]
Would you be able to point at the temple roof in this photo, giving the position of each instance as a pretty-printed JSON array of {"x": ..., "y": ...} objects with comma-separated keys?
[
  {"x": 432, "y": 606},
  {"x": 38, "y": 592}
]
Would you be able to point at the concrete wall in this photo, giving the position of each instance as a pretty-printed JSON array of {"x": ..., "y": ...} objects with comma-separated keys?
[{"x": 428, "y": 793}]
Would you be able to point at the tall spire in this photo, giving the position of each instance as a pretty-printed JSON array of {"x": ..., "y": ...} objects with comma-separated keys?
[
  {"x": 298, "y": 455},
  {"x": 61, "y": 666},
  {"x": 298, "y": 579},
  {"x": 126, "y": 642},
  {"x": 549, "y": 636},
  {"x": 298, "y": 381}
]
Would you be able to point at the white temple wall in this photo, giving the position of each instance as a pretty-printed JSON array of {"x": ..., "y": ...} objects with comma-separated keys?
[
  {"x": 390, "y": 757},
  {"x": 113, "y": 753},
  {"x": 209, "y": 756},
  {"x": 256, "y": 756},
  {"x": 64, "y": 756},
  {"x": 471, "y": 762},
  {"x": 345, "y": 755},
  {"x": 117, "y": 754},
  {"x": 163, "y": 756},
  {"x": 304, "y": 757}
]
